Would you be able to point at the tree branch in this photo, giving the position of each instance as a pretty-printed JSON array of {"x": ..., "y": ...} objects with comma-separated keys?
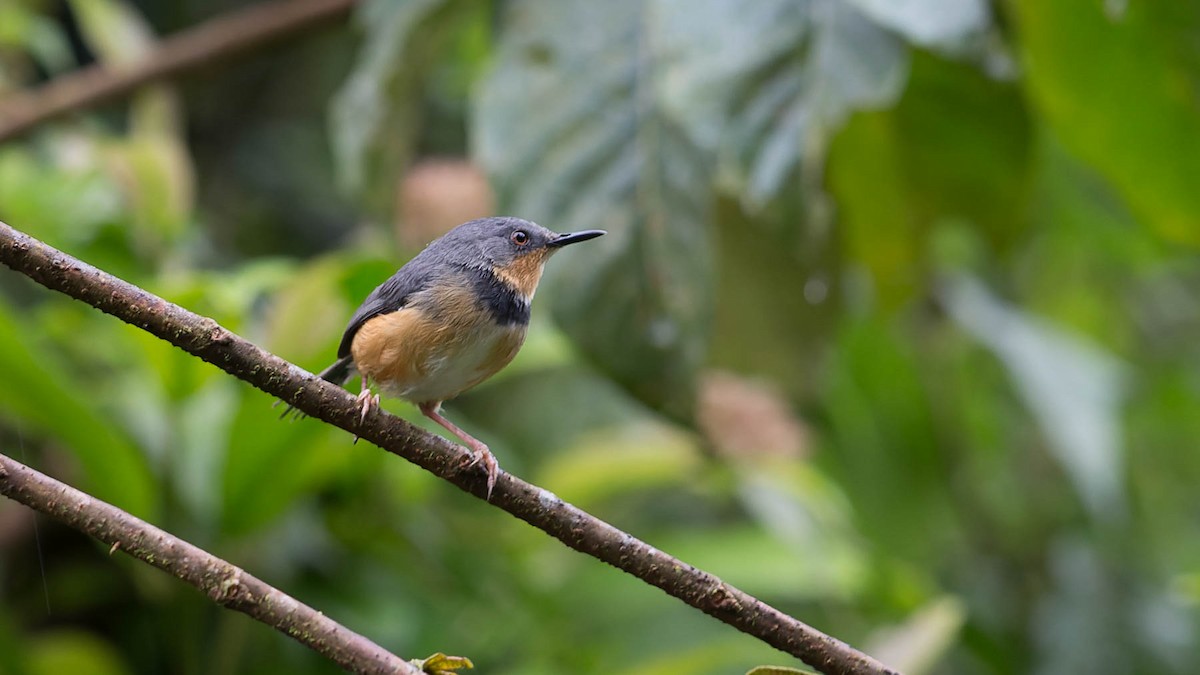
[
  {"x": 221, "y": 581},
  {"x": 215, "y": 39},
  {"x": 579, "y": 530}
]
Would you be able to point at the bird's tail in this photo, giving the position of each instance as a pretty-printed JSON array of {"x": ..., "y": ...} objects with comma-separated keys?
[{"x": 339, "y": 373}]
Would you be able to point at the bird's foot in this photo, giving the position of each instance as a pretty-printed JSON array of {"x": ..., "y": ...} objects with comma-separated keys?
[
  {"x": 366, "y": 401},
  {"x": 480, "y": 453}
]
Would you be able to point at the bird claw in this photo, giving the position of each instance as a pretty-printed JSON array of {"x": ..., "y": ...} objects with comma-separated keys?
[
  {"x": 482, "y": 454},
  {"x": 366, "y": 400}
]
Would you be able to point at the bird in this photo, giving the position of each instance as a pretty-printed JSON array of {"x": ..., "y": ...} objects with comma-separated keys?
[{"x": 448, "y": 319}]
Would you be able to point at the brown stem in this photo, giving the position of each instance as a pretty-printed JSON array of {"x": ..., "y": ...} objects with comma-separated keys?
[
  {"x": 583, "y": 532},
  {"x": 213, "y": 40},
  {"x": 221, "y": 581}
]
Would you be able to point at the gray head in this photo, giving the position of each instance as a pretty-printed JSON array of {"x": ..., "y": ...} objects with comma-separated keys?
[{"x": 503, "y": 243}]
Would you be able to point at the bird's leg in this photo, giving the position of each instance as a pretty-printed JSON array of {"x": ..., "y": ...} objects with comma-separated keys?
[
  {"x": 431, "y": 410},
  {"x": 367, "y": 401}
]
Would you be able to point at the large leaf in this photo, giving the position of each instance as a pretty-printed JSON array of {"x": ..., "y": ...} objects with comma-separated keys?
[
  {"x": 573, "y": 127},
  {"x": 1118, "y": 85},
  {"x": 769, "y": 81}
]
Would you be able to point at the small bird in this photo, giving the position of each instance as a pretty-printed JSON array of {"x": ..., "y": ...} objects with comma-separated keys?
[{"x": 450, "y": 318}]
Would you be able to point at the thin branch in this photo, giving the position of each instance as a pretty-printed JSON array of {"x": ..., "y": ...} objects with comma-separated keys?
[
  {"x": 583, "y": 532},
  {"x": 202, "y": 45},
  {"x": 221, "y": 581}
]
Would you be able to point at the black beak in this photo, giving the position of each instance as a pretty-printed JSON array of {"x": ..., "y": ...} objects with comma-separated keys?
[{"x": 574, "y": 238}]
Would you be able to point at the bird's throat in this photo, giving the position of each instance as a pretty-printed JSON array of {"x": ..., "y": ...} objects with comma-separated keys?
[{"x": 524, "y": 272}]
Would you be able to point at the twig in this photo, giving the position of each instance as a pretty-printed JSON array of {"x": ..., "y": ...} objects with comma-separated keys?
[
  {"x": 576, "y": 528},
  {"x": 215, "y": 39},
  {"x": 224, "y": 583}
]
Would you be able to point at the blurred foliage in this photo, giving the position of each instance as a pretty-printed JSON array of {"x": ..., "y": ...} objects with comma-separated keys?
[{"x": 895, "y": 328}]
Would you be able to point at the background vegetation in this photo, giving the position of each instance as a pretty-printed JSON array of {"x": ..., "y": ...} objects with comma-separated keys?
[{"x": 895, "y": 328}]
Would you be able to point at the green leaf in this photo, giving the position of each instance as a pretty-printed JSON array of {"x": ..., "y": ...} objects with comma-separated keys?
[
  {"x": 1072, "y": 388},
  {"x": 574, "y": 130},
  {"x": 440, "y": 664},
  {"x": 115, "y": 469},
  {"x": 1117, "y": 81},
  {"x": 113, "y": 30}
]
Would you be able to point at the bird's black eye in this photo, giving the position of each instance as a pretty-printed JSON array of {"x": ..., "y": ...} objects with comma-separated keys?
[{"x": 520, "y": 237}]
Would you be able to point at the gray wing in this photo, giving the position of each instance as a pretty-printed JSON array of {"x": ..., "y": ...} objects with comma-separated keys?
[{"x": 388, "y": 297}]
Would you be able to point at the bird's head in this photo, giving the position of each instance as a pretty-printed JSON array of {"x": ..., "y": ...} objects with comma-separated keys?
[{"x": 513, "y": 249}]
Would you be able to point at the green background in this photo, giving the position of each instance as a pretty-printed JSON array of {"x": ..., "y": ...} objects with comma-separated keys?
[{"x": 895, "y": 328}]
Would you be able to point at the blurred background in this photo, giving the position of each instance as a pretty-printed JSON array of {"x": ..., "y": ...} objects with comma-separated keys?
[{"x": 895, "y": 327}]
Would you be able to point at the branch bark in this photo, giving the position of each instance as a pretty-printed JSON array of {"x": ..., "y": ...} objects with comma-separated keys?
[
  {"x": 203, "y": 337},
  {"x": 221, "y": 581},
  {"x": 202, "y": 45}
]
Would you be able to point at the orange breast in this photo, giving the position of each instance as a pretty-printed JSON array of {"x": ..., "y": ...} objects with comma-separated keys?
[
  {"x": 395, "y": 347},
  {"x": 424, "y": 357}
]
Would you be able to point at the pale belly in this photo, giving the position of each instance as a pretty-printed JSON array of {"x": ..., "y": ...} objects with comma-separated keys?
[{"x": 453, "y": 361}]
